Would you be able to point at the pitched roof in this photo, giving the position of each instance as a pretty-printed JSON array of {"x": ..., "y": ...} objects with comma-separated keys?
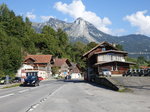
[
  {"x": 39, "y": 58},
  {"x": 99, "y": 46},
  {"x": 75, "y": 68},
  {"x": 101, "y": 63},
  {"x": 111, "y": 51},
  {"x": 59, "y": 62}
]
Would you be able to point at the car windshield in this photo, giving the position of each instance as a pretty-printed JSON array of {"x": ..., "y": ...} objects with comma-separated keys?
[
  {"x": 31, "y": 77},
  {"x": 17, "y": 78},
  {"x": 105, "y": 70}
]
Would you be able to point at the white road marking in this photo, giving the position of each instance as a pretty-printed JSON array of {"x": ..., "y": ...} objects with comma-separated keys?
[
  {"x": 55, "y": 91},
  {"x": 22, "y": 91},
  {"x": 44, "y": 99},
  {"x": 7, "y": 95}
]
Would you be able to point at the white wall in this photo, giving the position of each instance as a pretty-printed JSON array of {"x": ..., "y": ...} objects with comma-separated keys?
[
  {"x": 42, "y": 74},
  {"x": 23, "y": 67},
  {"x": 111, "y": 57}
]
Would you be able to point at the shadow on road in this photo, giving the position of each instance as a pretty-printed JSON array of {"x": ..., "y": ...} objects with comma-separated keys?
[
  {"x": 75, "y": 81},
  {"x": 83, "y": 81}
]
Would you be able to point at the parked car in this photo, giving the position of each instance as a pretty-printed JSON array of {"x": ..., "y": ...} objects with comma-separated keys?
[
  {"x": 75, "y": 75},
  {"x": 128, "y": 73},
  {"x": 3, "y": 80},
  {"x": 68, "y": 77},
  {"x": 16, "y": 80},
  {"x": 146, "y": 72},
  {"x": 40, "y": 78},
  {"x": 137, "y": 72},
  {"x": 31, "y": 81},
  {"x": 105, "y": 72}
]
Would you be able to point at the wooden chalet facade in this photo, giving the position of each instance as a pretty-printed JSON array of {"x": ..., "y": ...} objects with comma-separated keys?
[
  {"x": 106, "y": 56},
  {"x": 75, "y": 68},
  {"x": 40, "y": 62}
]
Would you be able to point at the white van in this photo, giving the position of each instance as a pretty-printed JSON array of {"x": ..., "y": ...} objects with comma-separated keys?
[{"x": 75, "y": 76}]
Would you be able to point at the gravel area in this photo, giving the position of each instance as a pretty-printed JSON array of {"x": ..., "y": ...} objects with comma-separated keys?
[
  {"x": 84, "y": 97},
  {"x": 139, "y": 85}
]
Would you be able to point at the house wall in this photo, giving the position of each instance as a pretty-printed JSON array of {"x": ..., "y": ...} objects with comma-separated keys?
[
  {"x": 110, "y": 57},
  {"x": 118, "y": 68},
  {"x": 21, "y": 70},
  {"x": 44, "y": 67},
  {"x": 64, "y": 70},
  {"x": 39, "y": 73},
  {"x": 75, "y": 70}
]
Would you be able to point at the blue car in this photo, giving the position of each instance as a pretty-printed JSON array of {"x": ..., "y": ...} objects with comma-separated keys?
[{"x": 31, "y": 81}]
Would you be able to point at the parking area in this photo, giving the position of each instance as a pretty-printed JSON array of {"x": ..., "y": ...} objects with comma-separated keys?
[
  {"x": 138, "y": 85},
  {"x": 137, "y": 72}
]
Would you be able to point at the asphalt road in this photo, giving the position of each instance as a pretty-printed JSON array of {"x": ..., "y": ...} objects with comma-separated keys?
[
  {"x": 70, "y": 96},
  {"x": 21, "y": 99}
]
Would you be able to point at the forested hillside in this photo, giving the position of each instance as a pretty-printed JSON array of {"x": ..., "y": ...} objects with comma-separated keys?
[{"x": 17, "y": 39}]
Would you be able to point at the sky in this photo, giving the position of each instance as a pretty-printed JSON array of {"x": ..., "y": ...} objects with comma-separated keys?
[{"x": 115, "y": 17}]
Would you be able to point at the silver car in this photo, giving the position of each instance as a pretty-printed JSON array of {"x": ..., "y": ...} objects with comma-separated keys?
[{"x": 105, "y": 72}]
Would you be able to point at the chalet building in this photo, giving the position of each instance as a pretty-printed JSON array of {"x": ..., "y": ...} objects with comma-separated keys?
[
  {"x": 75, "y": 71},
  {"x": 106, "y": 56},
  {"x": 37, "y": 65},
  {"x": 75, "y": 68},
  {"x": 64, "y": 66}
]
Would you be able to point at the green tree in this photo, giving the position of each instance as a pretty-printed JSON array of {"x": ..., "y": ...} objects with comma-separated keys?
[
  {"x": 141, "y": 61},
  {"x": 91, "y": 45},
  {"x": 119, "y": 47},
  {"x": 55, "y": 70}
]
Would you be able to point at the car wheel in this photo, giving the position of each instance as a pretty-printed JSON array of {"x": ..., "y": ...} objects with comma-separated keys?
[
  {"x": 23, "y": 85},
  {"x": 36, "y": 84}
]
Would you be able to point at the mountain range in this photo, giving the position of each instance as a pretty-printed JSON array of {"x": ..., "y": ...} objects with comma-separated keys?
[{"x": 81, "y": 30}]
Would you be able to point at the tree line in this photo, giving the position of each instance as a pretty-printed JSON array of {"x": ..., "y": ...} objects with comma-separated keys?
[{"x": 18, "y": 38}]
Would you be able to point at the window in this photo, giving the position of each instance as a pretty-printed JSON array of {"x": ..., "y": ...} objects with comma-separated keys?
[{"x": 104, "y": 49}]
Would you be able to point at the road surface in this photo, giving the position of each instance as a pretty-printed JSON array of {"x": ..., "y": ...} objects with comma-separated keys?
[{"x": 70, "y": 96}]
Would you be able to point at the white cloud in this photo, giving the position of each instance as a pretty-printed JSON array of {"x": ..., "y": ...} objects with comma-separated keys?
[
  {"x": 46, "y": 18},
  {"x": 30, "y": 15},
  {"x": 77, "y": 9},
  {"x": 140, "y": 20}
]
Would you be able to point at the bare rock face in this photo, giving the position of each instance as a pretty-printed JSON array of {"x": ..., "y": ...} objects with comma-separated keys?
[{"x": 81, "y": 30}]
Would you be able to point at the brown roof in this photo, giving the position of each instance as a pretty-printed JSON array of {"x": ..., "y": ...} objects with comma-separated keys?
[
  {"x": 59, "y": 62},
  {"x": 75, "y": 68},
  {"x": 39, "y": 58},
  {"x": 98, "y": 46},
  {"x": 111, "y": 51},
  {"x": 144, "y": 67}
]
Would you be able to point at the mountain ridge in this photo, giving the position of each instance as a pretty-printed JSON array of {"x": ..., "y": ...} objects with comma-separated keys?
[{"x": 81, "y": 30}]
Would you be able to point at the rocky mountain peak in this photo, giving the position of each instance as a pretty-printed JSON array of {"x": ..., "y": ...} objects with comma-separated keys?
[
  {"x": 82, "y": 30},
  {"x": 81, "y": 22}
]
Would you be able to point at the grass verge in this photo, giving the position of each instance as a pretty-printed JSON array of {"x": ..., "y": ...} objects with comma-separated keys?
[
  {"x": 125, "y": 90},
  {"x": 10, "y": 86}
]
